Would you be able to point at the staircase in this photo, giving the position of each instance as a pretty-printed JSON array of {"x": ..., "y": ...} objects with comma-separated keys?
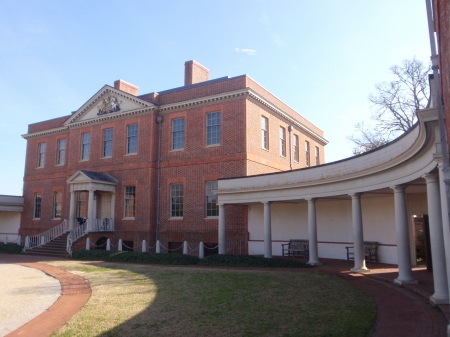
[{"x": 57, "y": 248}]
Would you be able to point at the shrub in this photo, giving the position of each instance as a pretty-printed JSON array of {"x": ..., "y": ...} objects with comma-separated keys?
[
  {"x": 181, "y": 259},
  {"x": 10, "y": 248}
]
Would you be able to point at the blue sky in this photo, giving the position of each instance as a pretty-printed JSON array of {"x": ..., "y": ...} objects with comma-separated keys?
[{"x": 322, "y": 58}]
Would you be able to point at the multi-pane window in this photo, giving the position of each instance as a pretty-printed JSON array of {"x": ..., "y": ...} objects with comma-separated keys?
[
  {"x": 296, "y": 149},
  {"x": 213, "y": 128},
  {"x": 282, "y": 141},
  {"x": 265, "y": 132},
  {"x": 317, "y": 156},
  {"x": 130, "y": 201},
  {"x": 178, "y": 134},
  {"x": 61, "y": 152},
  {"x": 212, "y": 209},
  {"x": 37, "y": 205},
  {"x": 132, "y": 138},
  {"x": 82, "y": 204},
  {"x": 85, "y": 145},
  {"x": 107, "y": 142},
  {"x": 41, "y": 155},
  {"x": 307, "y": 153},
  {"x": 57, "y": 205},
  {"x": 176, "y": 200}
]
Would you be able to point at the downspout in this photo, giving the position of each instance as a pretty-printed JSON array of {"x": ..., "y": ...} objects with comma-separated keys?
[
  {"x": 159, "y": 120},
  {"x": 441, "y": 116}
]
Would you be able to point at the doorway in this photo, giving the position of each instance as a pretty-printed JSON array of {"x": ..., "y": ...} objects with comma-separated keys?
[{"x": 422, "y": 241}]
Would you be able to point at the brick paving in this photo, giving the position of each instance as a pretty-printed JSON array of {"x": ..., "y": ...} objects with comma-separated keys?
[{"x": 402, "y": 311}]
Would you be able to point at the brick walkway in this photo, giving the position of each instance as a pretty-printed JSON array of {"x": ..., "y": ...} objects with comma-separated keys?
[{"x": 402, "y": 311}]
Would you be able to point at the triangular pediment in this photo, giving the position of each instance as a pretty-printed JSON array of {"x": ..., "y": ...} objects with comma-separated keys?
[
  {"x": 83, "y": 176},
  {"x": 108, "y": 102}
]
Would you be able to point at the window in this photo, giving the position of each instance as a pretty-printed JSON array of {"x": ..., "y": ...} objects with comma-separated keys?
[
  {"x": 130, "y": 201},
  {"x": 57, "y": 205},
  {"x": 61, "y": 152},
  {"x": 41, "y": 155},
  {"x": 211, "y": 199},
  {"x": 265, "y": 133},
  {"x": 85, "y": 145},
  {"x": 176, "y": 200},
  {"x": 37, "y": 205},
  {"x": 82, "y": 204},
  {"x": 213, "y": 128},
  {"x": 107, "y": 143},
  {"x": 317, "y": 156},
  {"x": 296, "y": 149},
  {"x": 132, "y": 138},
  {"x": 307, "y": 153},
  {"x": 282, "y": 141},
  {"x": 178, "y": 134}
]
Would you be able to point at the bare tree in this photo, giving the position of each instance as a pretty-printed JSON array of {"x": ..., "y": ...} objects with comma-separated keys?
[{"x": 394, "y": 105}]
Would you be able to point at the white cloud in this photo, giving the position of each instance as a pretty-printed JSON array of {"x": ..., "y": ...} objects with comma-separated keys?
[{"x": 250, "y": 52}]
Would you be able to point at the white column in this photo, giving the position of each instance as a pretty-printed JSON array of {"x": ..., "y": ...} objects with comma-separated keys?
[
  {"x": 445, "y": 222},
  {"x": 402, "y": 232},
  {"x": 91, "y": 205},
  {"x": 221, "y": 229},
  {"x": 440, "y": 295},
  {"x": 358, "y": 235},
  {"x": 312, "y": 230},
  {"x": 113, "y": 204},
  {"x": 72, "y": 210},
  {"x": 267, "y": 231}
]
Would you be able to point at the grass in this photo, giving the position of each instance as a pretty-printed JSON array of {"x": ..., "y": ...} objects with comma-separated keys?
[{"x": 150, "y": 300}]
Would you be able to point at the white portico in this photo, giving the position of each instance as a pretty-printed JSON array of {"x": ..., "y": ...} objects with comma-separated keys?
[
  {"x": 371, "y": 197},
  {"x": 92, "y": 196}
]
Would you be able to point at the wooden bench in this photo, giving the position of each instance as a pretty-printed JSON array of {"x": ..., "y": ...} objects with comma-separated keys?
[
  {"x": 298, "y": 248},
  {"x": 370, "y": 252}
]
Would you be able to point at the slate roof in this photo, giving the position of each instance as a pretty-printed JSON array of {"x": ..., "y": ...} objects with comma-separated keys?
[{"x": 100, "y": 176}]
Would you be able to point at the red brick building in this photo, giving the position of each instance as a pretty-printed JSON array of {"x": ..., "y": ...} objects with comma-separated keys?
[{"x": 145, "y": 165}]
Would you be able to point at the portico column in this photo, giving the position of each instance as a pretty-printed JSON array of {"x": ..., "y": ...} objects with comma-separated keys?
[
  {"x": 267, "y": 231},
  {"x": 312, "y": 230},
  {"x": 358, "y": 236},
  {"x": 90, "y": 208},
  {"x": 402, "y": 232},
  {"x": 221, "y": 229},
  {"x": 72, "y": 210},
  {"x": 113, "y": 204},
  {"x": 440, "y": 295}
]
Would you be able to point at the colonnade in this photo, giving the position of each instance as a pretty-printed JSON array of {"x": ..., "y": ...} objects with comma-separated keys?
[{"x": 439, "y": 235}]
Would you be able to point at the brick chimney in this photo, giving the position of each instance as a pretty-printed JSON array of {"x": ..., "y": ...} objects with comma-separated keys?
[
  {"x": 194, "y": 73},
  {"x": 127, "y": 87}
]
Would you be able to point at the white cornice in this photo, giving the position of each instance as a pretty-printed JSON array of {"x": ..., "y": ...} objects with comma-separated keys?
[{"x": 70, "y": 123}]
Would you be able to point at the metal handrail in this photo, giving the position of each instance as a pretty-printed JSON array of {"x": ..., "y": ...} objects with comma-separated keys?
[{"x": 47, "y": 236}]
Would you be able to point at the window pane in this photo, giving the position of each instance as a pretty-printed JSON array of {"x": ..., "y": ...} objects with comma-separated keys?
[
  {"x": 307, "y": 153},
  {"x": 213, "y": 128},
  {"x": 317, "y": 156},
  {"x": 85, "y": 145},
  {"x": 212, "y": 209},
  {"x": 132, "y": 138},
  {"x": 283, "y": 141},
  {"x": 107, "y": 142},
  {"x": 41, "y": 155},
  {"x": 178, "y": 134},
  {"x": 37, "y": 205},
  {"x": 296, "y": 149},
  {"x": 264, "y": 131},
  {"x": 176, "y": 200},
  {"x": 130, "y": 201},
  {"x": 57, "y": 205},
  {"x": 61, "y": 155}
]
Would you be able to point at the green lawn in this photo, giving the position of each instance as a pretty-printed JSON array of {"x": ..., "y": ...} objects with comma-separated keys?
[{"x": 147, "y": 300}]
